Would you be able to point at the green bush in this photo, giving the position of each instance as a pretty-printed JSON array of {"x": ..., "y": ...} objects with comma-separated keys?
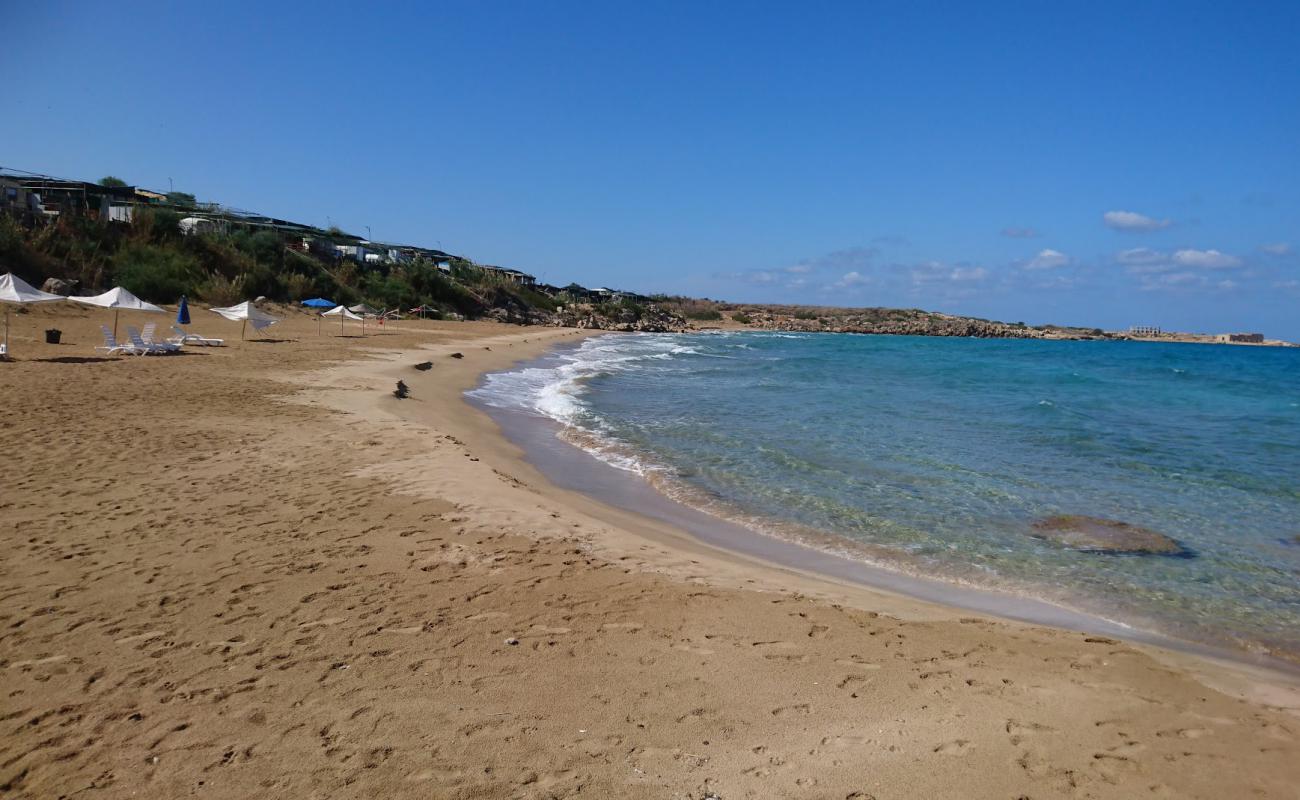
[
  {"x": 218, "y": 290},
  {"x": 297, "y": 286},
  {"x": 156, "y": 273},
  {"x": 742, "y": 318},
  {"x": 711, "y": 314},
  {"x": 266, "y": 247}
]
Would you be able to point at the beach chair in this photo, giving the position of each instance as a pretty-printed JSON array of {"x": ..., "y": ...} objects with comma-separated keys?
[
  {"x": 148, "y": 335},
  {"x": 184, "y": 337},
  {"x": 112, "y": 347},
  {"x": 138, "y": 342}
]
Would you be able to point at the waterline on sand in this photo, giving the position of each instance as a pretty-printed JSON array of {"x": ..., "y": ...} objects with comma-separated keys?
[{"x": 745, "y": 428}]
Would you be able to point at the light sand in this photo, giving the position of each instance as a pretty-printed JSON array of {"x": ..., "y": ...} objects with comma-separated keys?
[{"x": 253, "y": 572}]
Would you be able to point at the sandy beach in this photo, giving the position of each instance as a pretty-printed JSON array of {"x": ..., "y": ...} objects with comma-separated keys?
[{"x": 252, "y": 571}]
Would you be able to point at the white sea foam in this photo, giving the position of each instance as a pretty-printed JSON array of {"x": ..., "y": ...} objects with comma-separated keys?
[{"x": 556, "y": 390}]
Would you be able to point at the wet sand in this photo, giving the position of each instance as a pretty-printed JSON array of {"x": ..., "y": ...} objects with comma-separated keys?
[{"x": 253, "y": 571}]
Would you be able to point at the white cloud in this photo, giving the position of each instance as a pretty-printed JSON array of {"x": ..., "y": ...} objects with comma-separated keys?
[
  {"x": 1141, "y": 255},
  {"x": 1048, "y": 259},
  {"x": 1133, "y": 222},
  {"x": 968, "y": 274},
  {"x": 1206, "y": 259},
  {"x": 852, "y": 279},
  {"x": 1020, "y": 233},
  {"x": 850, "y": 258},
  {"x": 1277, "y": 248},
  {"x": 1172, "y": 280},
  {"x": 938, "y": 272},
  {"x": 1228, "y": 285},
  {"x": 1145, "y": 261}
]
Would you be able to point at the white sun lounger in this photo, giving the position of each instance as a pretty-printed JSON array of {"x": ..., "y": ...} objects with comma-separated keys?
[
  {"x": 184, "y": 337},
  {"x": 112, "y": 347},
  {"x": 138, "y": 342},
  {"x": 147, "y": 335}
]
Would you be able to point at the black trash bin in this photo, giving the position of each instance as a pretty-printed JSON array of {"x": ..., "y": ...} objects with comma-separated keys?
[{"x": 53, "y": 335}]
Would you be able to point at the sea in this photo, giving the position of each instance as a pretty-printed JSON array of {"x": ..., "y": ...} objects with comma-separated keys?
[{"x": 933, "y": 458}]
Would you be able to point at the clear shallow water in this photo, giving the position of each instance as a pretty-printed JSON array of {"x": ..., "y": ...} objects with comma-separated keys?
[{"x": 934, "y": 456}]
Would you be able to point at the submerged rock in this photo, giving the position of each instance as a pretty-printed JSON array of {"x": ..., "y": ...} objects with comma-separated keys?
[{"x": 1096, "y": 535}]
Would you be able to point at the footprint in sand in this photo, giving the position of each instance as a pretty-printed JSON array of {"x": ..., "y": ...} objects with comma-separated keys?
[
  {"x": 844, "y": 742},
  {"x": 789, "y": 711},
  {"x": 1112, "y": 767},
  {"x": 1186, "y": 733},
  {"x": 957, "y": 747},
  {"x": 1020, "y": 730},
  {"x": 630, "y": 627}
]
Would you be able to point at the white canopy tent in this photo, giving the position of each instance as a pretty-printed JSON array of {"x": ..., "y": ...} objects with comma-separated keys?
[
  {"x": 14, "y": 289},
  {"x": 362, "y": 308},
  {"x": 117, "y": 299},
  {"x": 343, "y": 312},
  {"x": 248, "y": 314}
]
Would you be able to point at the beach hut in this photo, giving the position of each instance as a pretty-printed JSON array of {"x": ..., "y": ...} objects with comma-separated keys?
[
  {"x": 342, "y": 312},
  {"x": 117, "y": 299},
  {"x": 248, "y": 314},
  {"x": 15, "y": 290}
]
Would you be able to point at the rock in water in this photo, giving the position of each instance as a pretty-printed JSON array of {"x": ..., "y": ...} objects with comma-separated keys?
[{"x": 1096, "y": 535}]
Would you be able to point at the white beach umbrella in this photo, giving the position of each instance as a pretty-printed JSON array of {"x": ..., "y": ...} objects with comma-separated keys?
[
  {"x": 14, "y": 289},
  {"x": 247, "y": 313},
  {"x": 117, "y": 299},
  {"x": 343, "y": 312}
]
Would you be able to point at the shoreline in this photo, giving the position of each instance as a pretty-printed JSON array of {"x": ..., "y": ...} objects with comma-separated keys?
[
  {"x": 623, "y": 500},
  {"x": 568, "y": 466},
  {"x": 254, "y": 571}
]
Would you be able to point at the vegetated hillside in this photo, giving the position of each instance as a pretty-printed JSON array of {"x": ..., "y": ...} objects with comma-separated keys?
[{"x": 152, "y": 258}]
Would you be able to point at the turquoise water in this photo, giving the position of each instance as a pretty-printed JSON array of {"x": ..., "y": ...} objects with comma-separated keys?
[{"x": 934, "y": 456}]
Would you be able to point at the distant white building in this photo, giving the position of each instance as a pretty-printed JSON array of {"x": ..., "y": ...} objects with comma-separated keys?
[
  {"x": 192, "y": 225},
  {"x": 1144, "y": 330},
  {"x": 356, "y": 252}
]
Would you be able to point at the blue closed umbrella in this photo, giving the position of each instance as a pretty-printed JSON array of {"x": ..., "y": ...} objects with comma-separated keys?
[
  {"x": 183, "y": 312},
  {"x": 318, "y": 302}
]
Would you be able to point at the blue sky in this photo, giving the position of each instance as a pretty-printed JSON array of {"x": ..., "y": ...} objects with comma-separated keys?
[{"x": 1082, "y": 163}]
